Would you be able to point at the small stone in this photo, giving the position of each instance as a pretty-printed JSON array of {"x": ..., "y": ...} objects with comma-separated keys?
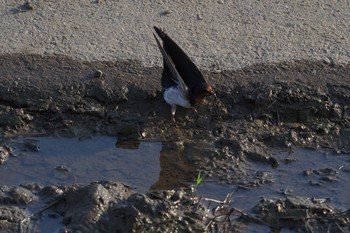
[
  {"x": 307, "y": 172},
  {"x": 178, "y": 195},
  {"x": 31, "y": 146},
  {"x": 221, "y": 1},
  {"x": 199, "y": 17},
  {"x": 22, "y": 195},
  {"x": 54, "y": 40},
  {"x": 97, "y": 74},
  {"x": 62, "y": 168},
  {"x": 293, "y": 136},
  {"x": 51, "y": 191},
  {"x": 326, "y": 60},
  {"x": 27, "y": 117},
  {"x": 26, "y": 7},
  {"x": 4, "y": 154},
  {"x": 166, "y": 12},
  {"x": 336, "y": 111}
]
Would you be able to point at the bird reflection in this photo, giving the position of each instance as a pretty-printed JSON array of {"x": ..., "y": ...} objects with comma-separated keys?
[{"x": 174, "y": 169}]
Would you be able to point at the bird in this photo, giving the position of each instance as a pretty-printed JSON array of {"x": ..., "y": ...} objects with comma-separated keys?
[{"x": 184, "y": 85}]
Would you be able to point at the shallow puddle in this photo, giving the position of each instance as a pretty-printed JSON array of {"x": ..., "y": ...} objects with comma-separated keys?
[
  {"x": 54, "y": 160},
  {"x": 63, "y": 161},
  {"x": 155, "y": 165},
  {"x": 143, "y": 165},
  {"x": 306, "y": 173}
]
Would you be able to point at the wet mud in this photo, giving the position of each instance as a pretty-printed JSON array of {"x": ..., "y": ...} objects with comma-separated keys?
[{"x": 259, "y": 110}]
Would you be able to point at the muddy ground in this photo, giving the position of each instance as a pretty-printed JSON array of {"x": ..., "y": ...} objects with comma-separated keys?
[{"x": 259, "y": 108}]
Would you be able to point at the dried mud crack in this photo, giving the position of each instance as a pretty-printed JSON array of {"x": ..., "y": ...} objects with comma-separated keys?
[{"x": 260, "y": 108}]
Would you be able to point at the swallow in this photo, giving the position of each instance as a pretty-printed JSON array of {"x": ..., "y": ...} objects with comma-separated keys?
[{"x": 184, "y": 85}]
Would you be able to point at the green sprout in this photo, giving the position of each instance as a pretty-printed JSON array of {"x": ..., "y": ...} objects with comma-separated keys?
[{"x": 199, "y": 179}]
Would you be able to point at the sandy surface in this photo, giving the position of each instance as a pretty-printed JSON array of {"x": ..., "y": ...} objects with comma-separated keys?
[{"x": 217, "y": 34}]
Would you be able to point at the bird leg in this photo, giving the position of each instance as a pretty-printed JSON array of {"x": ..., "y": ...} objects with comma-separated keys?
[
  {"x": 195, "y": 112},
  {"x": 173, "y": 111}
]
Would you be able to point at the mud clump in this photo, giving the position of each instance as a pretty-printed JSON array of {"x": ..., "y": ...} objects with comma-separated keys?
[
  {"x": 113, "y": 207},
  {"x": 11, "y": 217},
  {"x": 84, "y": 206},
  {"x": 301, "y": 214}
]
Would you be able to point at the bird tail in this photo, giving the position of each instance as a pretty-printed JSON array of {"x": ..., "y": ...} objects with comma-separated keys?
[{"x": 159, "y": 32}]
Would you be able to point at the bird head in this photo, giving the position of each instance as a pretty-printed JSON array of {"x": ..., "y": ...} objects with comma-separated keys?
[{"x": 201, "y": 91}]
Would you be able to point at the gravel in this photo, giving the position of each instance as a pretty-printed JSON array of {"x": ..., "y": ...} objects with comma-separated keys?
[{"x": 217, "y": 34}]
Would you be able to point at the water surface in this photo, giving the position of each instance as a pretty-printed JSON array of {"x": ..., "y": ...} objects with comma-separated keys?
[
  {"x": 290, "y": 179},
  {"x": 71, "y": 160}
]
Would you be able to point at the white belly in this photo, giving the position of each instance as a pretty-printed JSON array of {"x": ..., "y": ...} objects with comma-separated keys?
[{"x": 173, "y": 96}]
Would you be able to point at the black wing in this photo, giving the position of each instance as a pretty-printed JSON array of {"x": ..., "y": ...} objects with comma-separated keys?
[
  {"x": 186, "y": 68},
  {"x": 167, "y": 79},
  {"x": 169, "y": 69}
]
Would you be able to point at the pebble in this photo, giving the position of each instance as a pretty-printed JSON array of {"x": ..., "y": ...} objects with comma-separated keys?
[
  {"x": 27, "y": 6},
  {"x": 166, "y": 12},
  {"x": 326, "y": 60},
  {"x": 54, "y": 40},
  {"x": 97, "y": 74}
]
